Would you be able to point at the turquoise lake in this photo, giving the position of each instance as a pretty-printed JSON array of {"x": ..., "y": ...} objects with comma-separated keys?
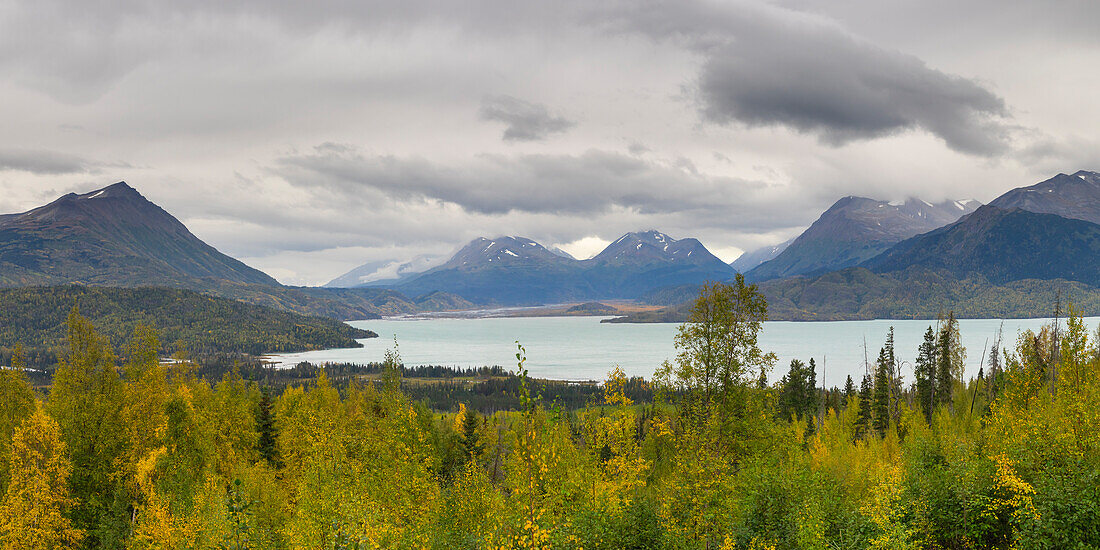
[{"x": 582, "y": 348}]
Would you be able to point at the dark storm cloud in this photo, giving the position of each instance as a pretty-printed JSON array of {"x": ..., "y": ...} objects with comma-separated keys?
[
  {"x": 42, "y": 162},
  {"x": 592, "y": 182},
  {"x": 843, "y": 90},
  {"x": 766, "y": 66},
  {"x": 525, "y": 121}
]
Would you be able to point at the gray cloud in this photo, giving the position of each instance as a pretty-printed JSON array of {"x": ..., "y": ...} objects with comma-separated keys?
[
  {"x": 843, "y": 90},
  {"x": 526, "y": 121},
  {"x": 596, "y": 181},
  {"x": 767, "y": 66},
  {"x": 42, "y": 162}
]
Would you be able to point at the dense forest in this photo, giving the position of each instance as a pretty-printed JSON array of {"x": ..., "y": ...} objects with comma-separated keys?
[
  {"x": 188, "y": 322},
  {"x": 145, "y": 455},
  {"x": 441, "y": 388},
  {"x": 914, "y": 293}
]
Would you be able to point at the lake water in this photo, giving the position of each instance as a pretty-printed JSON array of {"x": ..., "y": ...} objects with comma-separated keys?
[{"x": 582, "y": 348}]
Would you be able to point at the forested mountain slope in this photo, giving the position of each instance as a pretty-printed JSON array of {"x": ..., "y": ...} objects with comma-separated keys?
[
  {"x": 1003, "y": 245},
  {"x": 187, "y": 321},
  {"x": 914, "y": 293}
]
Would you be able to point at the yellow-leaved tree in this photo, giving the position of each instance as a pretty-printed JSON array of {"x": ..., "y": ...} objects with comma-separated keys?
[
  {"x": 33, "y": 515},
  {"x": 16, "y": 402}
]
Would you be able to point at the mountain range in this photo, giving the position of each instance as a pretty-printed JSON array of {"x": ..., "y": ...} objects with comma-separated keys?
[
  {"x": 651, "y": 265},
  {"x": 856, "y": 229},
  {"x": 851, "y": 262},
  {"x": 1000, "y": 260},
  {"x": 520, "y": 271}
]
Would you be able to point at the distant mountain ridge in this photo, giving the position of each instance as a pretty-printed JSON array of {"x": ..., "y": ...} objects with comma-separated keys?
[
  {"x": 748, "y": 260},
  {"x": 504, "y": 270},
  {"x": 385, "y": 272},
  {"x": 1001, "y": 260},
  {"x": 643, "y": 261},
  {"x": 854, "y": 230},
  {"x": 520, "y": 271}
]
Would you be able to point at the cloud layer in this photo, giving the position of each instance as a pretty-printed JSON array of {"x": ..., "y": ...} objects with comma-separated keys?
[
  {"x": 310, "y": 138},
  {"x": 592, "y": 182}
]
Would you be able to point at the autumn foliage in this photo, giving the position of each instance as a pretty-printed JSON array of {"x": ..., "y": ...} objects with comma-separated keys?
[{"x": 124, "y": 452}]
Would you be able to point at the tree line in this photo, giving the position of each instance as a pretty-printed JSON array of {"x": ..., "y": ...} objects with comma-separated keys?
[{"x": 189, "y": 323}]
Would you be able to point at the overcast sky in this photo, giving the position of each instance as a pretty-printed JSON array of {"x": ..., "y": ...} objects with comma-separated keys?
[{"x": 307, "y": 138}]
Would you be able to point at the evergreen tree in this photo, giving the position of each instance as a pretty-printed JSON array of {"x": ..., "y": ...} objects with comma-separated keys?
[
  {"x": 798, "y": 393},
  {"x": 924, "y": 372},
  {"x": 863, "y": 420},
  {"x": 888, "y": 350},
  {"x": 265, "y": 425},
  {"x": 811, "y": 397},
  {"x": 849, "y": 389},
  {"x": 894, "y": 372},
  {"x": 881, "y": 399},
  {"x": 792, "y": 391},
  {"x": 950, "y": 357},
  {"x": 471, "y": 439}
]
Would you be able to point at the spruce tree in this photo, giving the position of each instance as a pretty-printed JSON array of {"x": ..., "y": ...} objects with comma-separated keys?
[
  {"x": 863, "y": 420},
  {"x": 895, "y": 376},
  {"x": 791, "y": 391},
  {"x": 265, "y": 424},
  {"x": 949, "y": 360},
  {"x": 811, "y": 396},
  {"x": 798, "y": 392},
  {"x": 849, "y": 389},
  {"x": 881, "y": 399},
  {"x": 471, "y": 440},
  {"x": 924, "y": 372}
]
